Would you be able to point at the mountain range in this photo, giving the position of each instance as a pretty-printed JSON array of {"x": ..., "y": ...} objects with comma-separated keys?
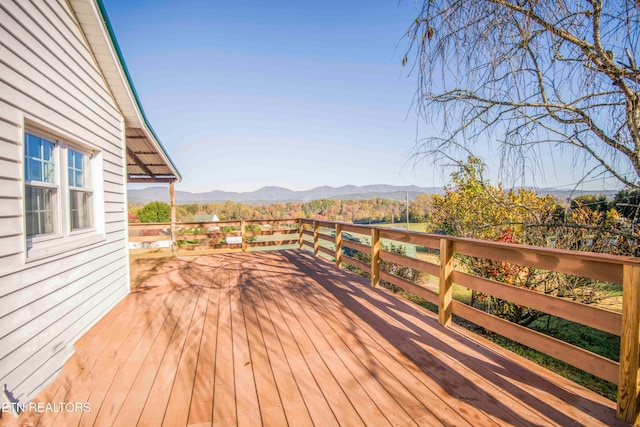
[{"x": 273, "y": 194}]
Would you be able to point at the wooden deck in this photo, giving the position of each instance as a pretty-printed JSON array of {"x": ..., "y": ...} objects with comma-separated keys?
[{"x": 283, "y": 338}]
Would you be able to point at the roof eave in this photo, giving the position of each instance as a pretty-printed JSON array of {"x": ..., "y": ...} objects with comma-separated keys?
[{"x": 122, "y": 87}]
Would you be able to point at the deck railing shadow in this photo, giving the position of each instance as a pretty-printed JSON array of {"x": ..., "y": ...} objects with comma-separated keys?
[
  {"x": 411, "y": 333},
  {"x": 326, "y": 238}
]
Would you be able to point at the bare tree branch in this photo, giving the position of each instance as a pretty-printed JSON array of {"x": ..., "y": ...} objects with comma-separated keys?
[{"x": 558, "y": 72}]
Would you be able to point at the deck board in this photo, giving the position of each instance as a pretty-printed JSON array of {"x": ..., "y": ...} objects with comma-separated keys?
[
  {"x": 201, "y": 405},
  {"x": 224, "y": 392},
  {"x": 337, "y": 355},
  {"x": 283, "y": 338},
  {"x": 271, "y": 410},
  {"x": 301, "y": 397}
]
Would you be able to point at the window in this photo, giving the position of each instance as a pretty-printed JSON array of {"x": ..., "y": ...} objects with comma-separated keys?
[
  {"x": 79, "y": 190},
  {"x": 58, "y": 188},
  {"x": 41, "y": 189}
]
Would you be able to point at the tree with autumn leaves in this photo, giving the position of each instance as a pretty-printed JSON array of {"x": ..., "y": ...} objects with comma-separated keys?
[{"x": 472, "y": 207}]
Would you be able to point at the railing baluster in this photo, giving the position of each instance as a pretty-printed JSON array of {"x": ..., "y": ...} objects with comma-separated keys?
[
  {"x": 242, "y": 235},
  {"x": 338, "y": 255},
  {"x": 446, "y": 293},
  {"x": 375, "y": 257},
  {"x": 628, "y": 388},
  {"x": 301, "y": 225},
  {"x": 172, "y": 200},
  {"x": 316, "y": 241}
]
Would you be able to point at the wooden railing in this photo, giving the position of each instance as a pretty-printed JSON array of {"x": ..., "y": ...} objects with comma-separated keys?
[
  {"x": 202, "y": 237},
  {"x": 326, "y": 238},
  {"x": 329, "y": 239}
]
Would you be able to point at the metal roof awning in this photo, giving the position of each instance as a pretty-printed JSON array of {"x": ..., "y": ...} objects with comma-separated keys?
[
  {"x": 145, "y": 163},
  {"x": 147, "y": 160}
]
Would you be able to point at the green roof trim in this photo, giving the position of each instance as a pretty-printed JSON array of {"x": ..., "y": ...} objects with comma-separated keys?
[{"x": 123, "y": 64}]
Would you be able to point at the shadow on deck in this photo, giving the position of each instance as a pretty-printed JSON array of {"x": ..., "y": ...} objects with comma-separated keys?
[{"x": 277, "y": 338}]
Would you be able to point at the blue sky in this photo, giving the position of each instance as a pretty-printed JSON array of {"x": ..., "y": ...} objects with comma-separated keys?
[{"x": 300, "y": 94}]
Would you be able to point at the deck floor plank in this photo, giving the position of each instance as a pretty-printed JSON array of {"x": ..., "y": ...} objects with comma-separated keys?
[
  {"x": 336, "y": 353},
  {"x": 285, "y": 338},
  {"x": 395, "y": 376},
  {"x": 129, "y": 369},
  {"x": 247, "y": 403},
  {"x": 177, "y": 412},
  {"x": 201, "y": 406},
  {"x": 355, "y": 333},
  {"x": 270, "y": 403},
  {"x": 158, "y": 398},
  {"x": 150, "y": 362},
  {"x": 302, "y": 399},
  {"x": 138, "y": 341},
  {"x": 224, "y": 402},
  {"x": 114, "y": 347},
  {"x": 408, "y": 335},
  {"x": 340, "y": 388},
  {"x": 386, "y": 390},
  {"x": 313, "y": 397}
]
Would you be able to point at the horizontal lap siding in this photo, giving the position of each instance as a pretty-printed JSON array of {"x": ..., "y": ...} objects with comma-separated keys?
[{"x": 47, "y": 74}]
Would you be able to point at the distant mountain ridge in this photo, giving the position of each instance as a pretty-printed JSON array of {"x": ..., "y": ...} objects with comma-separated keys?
[{"x": 274, "y": 194}]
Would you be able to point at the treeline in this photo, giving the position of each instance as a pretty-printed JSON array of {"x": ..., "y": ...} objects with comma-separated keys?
[
  {"x": 370, "y": 211},
  {"x": 373, "y": 210}
]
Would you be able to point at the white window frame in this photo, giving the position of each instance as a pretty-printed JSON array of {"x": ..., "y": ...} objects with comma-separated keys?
[
  {"x": 63, "y": 238},
  {"x": 87, "y": 188},
  {"x": 38, "y": 184}
]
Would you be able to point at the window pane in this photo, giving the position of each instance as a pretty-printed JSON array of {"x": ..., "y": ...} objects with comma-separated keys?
[
  {"x": 34, "y": 170},
  {"x": 39, "y": 210},
  {"x": 80, "y": 210},
  {"x": 76, "y": 169},
  {"x": 39, "y": 164},
  {"x": 79, "y": 179},
  {"x": 34, "y": 146},
  {"x": 32, "y": 223},
  {"x": 47, "y": 150},
  {"x": 48, "y": 172}
]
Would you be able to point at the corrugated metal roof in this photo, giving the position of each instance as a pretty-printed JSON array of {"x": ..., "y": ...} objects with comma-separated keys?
[{"x": 147, "y": 160}]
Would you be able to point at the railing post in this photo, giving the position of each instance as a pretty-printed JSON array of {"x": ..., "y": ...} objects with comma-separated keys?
[
  {"x": 172, "y": 201},
  {"x": 301, "y": 225},
  {"x": 242, "y": 235},
  {"x": 316, "y": 239},
  {"x": 446, "y": 290},
  {"x": 338, "y": 245},
  {"x": 628, "y": 388},
  {"x": 375, "y": 257}
]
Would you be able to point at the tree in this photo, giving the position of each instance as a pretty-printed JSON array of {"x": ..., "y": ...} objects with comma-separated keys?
[
  {"x": 531, "y": 72},
  {"x": 155, "y": 212},
  {"x": 420, "y": 208},
  {"x": 627, "y": 202},
  {"x": 591, "y": 201},
  {"x": 472, "y": 207}
]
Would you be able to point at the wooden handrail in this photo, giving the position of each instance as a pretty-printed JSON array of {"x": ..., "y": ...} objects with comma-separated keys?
[
  {"x": 610, "y": 268},
  {"x": 204, "y": 236}
]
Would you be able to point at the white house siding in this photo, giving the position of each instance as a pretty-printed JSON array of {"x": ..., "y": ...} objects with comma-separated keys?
[{"x": 48, "y": 75}]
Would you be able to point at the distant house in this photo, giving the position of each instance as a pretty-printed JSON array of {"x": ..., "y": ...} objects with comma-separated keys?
[
  {"x": 206, "y": 218},
  {"x": 72, "y": 134}
]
